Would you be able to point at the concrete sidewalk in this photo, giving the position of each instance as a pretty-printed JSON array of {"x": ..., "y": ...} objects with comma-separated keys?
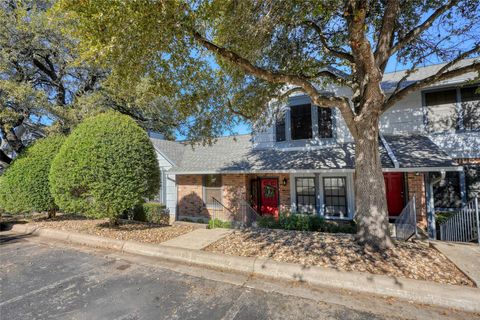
[
  {"x": 464, "y": 255},
  {"x": 197, "y": 239}
]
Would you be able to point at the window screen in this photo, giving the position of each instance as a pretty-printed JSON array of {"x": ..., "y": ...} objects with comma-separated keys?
[
  {"x": 213, "y": 188},
  {"x": 325, "y": 123},
  {"x": 301, "y": 122},
  {"x": 305, "y": 192},
  {"x": 335, "y": 195},
  {"x": 470, "y": 98}
]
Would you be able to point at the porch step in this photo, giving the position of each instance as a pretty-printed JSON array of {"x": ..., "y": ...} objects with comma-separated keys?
[{"x": 393, "y": 233}]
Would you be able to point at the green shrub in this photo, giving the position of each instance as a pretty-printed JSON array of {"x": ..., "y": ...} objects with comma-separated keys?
[
  {"x": 152, "y": 212},
  {"x": 24, "y": 186},
  {"x": 156, "y": 213},
  {"x": 105, "y": 166},
  {"x": 217, "y": 223},
  {"x": 305, "y": 222},
  {"x": 269, "y": 222}
]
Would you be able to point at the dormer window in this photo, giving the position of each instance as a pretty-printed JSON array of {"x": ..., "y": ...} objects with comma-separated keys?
[
  {"x": 304, "y": 122},
  {"x": 301, "y": 122}
]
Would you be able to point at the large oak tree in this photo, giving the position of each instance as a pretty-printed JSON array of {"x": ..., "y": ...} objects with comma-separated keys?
[{"x": 247, "y": 53}]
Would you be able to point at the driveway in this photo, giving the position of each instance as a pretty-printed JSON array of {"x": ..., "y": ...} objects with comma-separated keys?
[{"x": 48, "y": 281}]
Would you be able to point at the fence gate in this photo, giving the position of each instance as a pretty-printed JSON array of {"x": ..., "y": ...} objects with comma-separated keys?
[
  {"x": 406, "y": 223},
  {"x": 464, "y": 226}
]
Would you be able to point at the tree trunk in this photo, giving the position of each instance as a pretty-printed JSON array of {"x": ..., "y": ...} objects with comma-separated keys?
[
  {"x": 370, "y": 198},
  {"x": 52, "y": 214},
  {"x": 113, "y": 221}
]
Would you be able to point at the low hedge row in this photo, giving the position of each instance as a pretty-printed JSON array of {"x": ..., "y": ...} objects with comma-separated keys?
[
  {"x": 151, "y": 212},
  {"x": 217, "y": 223},
  {"x": 306, "y": 222}
]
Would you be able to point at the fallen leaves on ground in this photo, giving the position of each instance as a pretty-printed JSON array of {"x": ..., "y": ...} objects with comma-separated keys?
[
  {"x": 136, "y": 231},
  {"x": 414, "y": 260}
]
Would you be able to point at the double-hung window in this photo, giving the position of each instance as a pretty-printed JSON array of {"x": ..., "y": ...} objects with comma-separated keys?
[
  {"x": 301, "y": 122},
  {"x": 280, "y": 129},
  {"x": 335, "y": 196},
  {"x": 212, "y": 186},
  {"x": 470, "y": 98},
  {"x": 325, "y": 123},
  {"x": 453, "y": 109},
  {"x": 305, "y": 193}
]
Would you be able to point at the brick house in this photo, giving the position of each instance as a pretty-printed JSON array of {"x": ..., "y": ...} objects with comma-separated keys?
[{"x": 304, "y": 162}]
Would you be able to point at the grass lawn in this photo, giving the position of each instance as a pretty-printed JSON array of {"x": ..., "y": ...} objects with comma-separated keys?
[{"x": 415, "y": 260}]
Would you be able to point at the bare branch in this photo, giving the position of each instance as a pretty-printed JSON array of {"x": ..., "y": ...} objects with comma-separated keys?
[
  {"x": 415, "y": 32},
  {"x": 441, "y": 75},
  {"x": 336, "y": 52},
  {"x": 385, "y": 39},
  {"x": 237, "y": 112}
]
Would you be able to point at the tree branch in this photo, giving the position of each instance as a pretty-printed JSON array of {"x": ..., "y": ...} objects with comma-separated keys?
[
  {"x": 441, "y": 75},
  {"x": 276, "y": 77},
  {"x": 385, "y": 39},
  {"x": 415, "y": 32},
  {"x": 337, "y": 53}
]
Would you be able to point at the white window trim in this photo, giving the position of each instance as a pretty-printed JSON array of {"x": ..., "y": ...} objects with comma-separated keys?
[{"x": 319, "y": 192}]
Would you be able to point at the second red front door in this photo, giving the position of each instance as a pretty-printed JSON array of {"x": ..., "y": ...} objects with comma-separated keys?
[
  {"x": 394, "y": 186},
  {"x": 269, "y": 196}
]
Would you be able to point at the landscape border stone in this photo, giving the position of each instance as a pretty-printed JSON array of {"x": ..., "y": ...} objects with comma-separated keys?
[{"x": 418, "y": 291}]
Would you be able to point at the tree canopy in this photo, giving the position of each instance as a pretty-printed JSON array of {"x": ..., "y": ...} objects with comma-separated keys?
[{"x": 237, "y": 56}]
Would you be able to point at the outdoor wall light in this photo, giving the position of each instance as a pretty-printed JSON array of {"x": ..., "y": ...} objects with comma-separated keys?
[{"x": 284, "y": 181}]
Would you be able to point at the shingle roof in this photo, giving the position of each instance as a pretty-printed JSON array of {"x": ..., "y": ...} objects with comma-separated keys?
[
  {"x": 236, "y": 154},
  {"x": 391, "y": 79},
  {"x": 171, "y": 149},
  {"x": 414, "y": 151}
]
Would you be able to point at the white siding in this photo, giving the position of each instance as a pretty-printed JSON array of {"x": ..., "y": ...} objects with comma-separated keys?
[
  {"x": 404, "y": 117},
  {"x": 171, "y": 194},
  {"x": 458, "y": 144},
  {"x": 168, "y": 189}
]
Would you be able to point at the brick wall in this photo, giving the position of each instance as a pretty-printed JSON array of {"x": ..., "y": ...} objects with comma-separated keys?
[
  {"x": 190, "y": 196},
  {"x": 235, "y": 187},
  {"x": 466, "y": 161},
  {"x": 416, "y": 186}
]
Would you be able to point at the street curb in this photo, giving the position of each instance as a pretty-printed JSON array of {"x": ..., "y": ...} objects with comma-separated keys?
[{"x": 463, "y": 298}]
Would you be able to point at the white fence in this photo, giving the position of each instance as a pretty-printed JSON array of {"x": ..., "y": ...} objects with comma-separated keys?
[
  {"x": 464, "y": 226},
  {"x": 406, "y": 223}
]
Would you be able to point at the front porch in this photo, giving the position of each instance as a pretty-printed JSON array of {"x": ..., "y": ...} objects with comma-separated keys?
[{"x": 329, "y": 194}]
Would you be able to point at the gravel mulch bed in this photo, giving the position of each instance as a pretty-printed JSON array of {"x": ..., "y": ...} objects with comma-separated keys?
[
  {"x": 137, "y": 231},
  {"x": 340, "y": 251}
]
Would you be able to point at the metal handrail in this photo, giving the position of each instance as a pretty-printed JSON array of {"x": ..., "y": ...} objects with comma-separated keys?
[
  {"x": 249, "y": 213},
  {"x": 245, "y": 215},
  {"x": 406, "y": 223},
  {"x": 464, "y": 226}
]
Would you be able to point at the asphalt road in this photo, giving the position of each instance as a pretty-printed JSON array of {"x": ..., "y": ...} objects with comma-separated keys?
[{"x": 48, "y": 281}]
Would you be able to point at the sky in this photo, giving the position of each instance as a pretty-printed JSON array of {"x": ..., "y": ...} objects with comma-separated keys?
[{"x": 243, "y": 127}]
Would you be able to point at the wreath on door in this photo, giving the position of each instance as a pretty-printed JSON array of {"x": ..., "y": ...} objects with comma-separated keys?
[{"x": 269, "y": 192}]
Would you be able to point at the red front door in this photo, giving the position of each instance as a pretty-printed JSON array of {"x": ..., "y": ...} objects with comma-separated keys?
[
  {"x": 269, "y": 196},
  {"x": 394, "y": 186}
]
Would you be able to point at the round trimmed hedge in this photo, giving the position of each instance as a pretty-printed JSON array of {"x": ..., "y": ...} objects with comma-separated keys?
[
  {"x": 106, "y": 166},
  {"x": 24, "y": 187}
]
